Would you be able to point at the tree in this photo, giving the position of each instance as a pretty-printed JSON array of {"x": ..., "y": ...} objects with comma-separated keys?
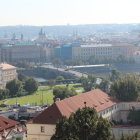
[
  {"x": 24, "y": 64},
  {"x": 63, "y": 92},
  {"x": 104, "y": 85},
  {"x": 15, "y": 87},
  {"x": 126, "y": 88},
  {"x": 84, "y": 124},
  {"x": 22, "y": 77},
  {"x": 51, "y": 83},
  {"x": 89, "y": 82},
  {"x": 60, "y": 78},
  {"x": 115, "y": 75},
  {"x": 31, "y": 85},
  {"x": 134, "y": 117},
  {"x": 4, "y": 93}
]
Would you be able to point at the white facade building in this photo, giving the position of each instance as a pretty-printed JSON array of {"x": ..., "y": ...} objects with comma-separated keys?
[{"x": 110, "y": 51}]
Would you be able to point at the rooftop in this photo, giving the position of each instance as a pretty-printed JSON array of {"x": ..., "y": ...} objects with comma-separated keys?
[
  {"x": 6, "y": 123},
  {"x": 95, "y": 98},
  {"x": 5, "y": 66}
]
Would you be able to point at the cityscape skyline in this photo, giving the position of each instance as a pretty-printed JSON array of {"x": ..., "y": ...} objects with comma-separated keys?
[{"x": 64, "y": 12}]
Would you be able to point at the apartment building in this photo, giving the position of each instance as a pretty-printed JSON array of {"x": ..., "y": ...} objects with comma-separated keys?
[
  {"x": 7, "y": 73},
  {"x": 112, "y": 51},
  {"x": 25, "y": 52}
]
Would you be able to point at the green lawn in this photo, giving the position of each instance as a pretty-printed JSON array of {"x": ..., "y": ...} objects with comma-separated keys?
[
  {"x": 44, "y": 95},
  {"x": 38, "y": 98}
]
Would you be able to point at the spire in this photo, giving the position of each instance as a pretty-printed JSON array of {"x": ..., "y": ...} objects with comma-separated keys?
[
  {"x": 21, "y": 37},
  {"x": 41, "y": 32}
]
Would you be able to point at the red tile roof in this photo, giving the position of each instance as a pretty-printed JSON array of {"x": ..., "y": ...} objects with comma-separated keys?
[
  {"x": 6, "y": 123},
  {"x": 95, "y": 98},
  {"x": 5, "y": 66}
]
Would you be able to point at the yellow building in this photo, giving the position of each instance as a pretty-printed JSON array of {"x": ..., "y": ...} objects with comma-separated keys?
[
  {"x": 7, "y": 73},
  {"x": 43, "y": 126}
]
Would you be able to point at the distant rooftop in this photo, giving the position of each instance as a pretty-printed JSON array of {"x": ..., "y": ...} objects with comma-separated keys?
[
  {"x": 24, "y": 44},
  {"x": 97, "y": 45}
]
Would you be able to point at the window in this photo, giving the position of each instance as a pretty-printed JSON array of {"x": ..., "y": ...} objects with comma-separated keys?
[{"x": 42, "y": 129}]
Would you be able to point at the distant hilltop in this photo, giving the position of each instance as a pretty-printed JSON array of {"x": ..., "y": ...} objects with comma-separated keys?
[{"x": 30, "y": 32}]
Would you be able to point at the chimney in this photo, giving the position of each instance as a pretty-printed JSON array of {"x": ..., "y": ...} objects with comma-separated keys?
[{"x": 57, "y": 99}]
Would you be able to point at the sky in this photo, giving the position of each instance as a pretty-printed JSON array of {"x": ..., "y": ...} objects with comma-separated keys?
[{"x": 64, "y": 12}]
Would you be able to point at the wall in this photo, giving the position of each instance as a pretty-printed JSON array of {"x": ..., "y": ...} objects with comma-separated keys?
[
  {"x": 34, "y": 131},
  {"x": 118, "y": 131}
]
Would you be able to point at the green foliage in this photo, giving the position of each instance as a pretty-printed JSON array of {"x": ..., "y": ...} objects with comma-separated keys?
[
  {"x": 134, "y": 117},
  {"x": 15, "y": 87},
  {"x": 51, "y": 83},
  {"x": 104, "y": 85},
  {"x": 89, "y": 82},
  {"x": 136, "y": 136},
  {"x": 74, "y": 62},
  {"x": 84, "y": 124},
  {"x": 4, "y": 93},
  {"x": 126, "y": 88},
  {"x": 63, "y": 92},
  {"x": 31, "y": 85},
  {"x": 115, "y": 75},
  {"x": 24, "y": 64},
  {"x": 22, "y": 77},
  {"x": 60, "y": 78}
]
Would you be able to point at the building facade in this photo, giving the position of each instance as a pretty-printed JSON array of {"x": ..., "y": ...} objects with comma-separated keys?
[
  {"x": 109, "y": 51},
  {"x": 43, "y": 126},
  {"x": 7, "y": 73}
]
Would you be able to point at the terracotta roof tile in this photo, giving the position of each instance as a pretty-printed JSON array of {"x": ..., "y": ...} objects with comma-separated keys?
[
  {"x": 95, "y": 98},
  {"x": 6, "y": 123},
  {"x": 6, "y": 66}
]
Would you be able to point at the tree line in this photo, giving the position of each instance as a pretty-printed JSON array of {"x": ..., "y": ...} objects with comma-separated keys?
[{"x": 21, "y": 86}]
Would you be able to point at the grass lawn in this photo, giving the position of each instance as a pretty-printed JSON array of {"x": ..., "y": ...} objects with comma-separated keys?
[
  {"x": 44, "y": 95},
  {"x": 38, "y": 98}
]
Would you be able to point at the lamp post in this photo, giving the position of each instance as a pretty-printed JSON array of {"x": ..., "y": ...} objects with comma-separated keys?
[{"x": 85, "y": 126}]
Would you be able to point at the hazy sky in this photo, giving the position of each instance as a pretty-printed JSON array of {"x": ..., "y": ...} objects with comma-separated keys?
[{"x": 62, "y": 12}]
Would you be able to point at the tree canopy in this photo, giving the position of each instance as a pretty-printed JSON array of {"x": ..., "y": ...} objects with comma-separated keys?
[
  {"x": 89, "y": 82},
  {"x": 126, "y": 88},
  {"x": 15, "y": 87},
  {"x": 84, "y": 124},
  {"x": 63, "y": 92},
  {"x": 31, "y": 85},
  {"x": 115, "y": 75}
]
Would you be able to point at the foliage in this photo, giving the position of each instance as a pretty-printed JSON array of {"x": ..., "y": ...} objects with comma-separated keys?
[
  {"x": 74, "y": 62},
  {"x": 84, "y": 124},
  {"x": 105, "y": 60},
  {"x": 115, "y": 75},
  {"x": 63, "y": 92},
  {"x": 22, "y": 77},
  {"x": 4, "y": 93},
  {"x": 56, "y": 61},
  {"x": 60, "y": 78},
  {"x": 104, "y": 85},
  {"x": 51, "y": 83},
  {"x": 15, "y": 87},
  {"x": 31, "y": 85},
  {"x": 24, "y": 64},
  {"x": 126, "y": 88},
  {"x": 89, "y": 82},
  {"x": 134, "y": 117},
  {"x": 136, "y": 136}
]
